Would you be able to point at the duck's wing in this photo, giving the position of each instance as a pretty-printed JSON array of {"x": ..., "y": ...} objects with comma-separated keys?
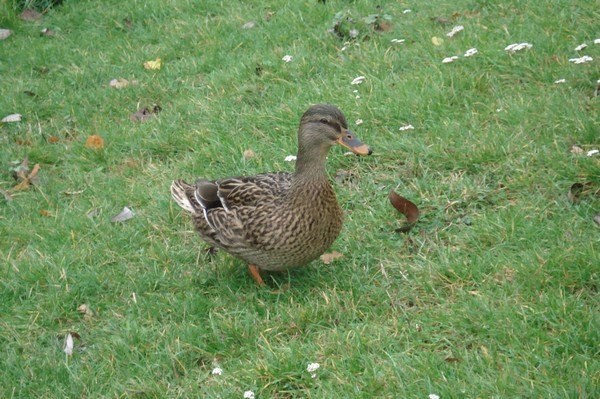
[
  {"x": 222, "y": 209},
  {"x": 252, "y": 190}
]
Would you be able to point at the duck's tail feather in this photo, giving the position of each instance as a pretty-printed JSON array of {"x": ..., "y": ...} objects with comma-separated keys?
[{"x": 183, "y": 194}]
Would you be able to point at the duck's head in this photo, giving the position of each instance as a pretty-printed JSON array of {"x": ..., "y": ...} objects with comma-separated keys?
[{"x": 323, "y": 126}]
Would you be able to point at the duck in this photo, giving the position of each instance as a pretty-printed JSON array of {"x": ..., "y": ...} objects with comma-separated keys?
[{"x": 276, "y": 221}]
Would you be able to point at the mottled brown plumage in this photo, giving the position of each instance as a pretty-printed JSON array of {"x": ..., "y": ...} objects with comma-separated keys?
[{"x": 276, "y": 221}]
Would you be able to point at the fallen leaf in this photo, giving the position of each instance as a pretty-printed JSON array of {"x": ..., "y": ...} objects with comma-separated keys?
[
  {"x": 249, "y": 25},
  {"x": 123, "y": 216},
  {"x": 41, "y": 70},
  {"x": 437, "y": 41},
  {"x": 249, "y": 154},
  {"x": 29, "y": 93},
  {"x": 342, "y": 175},
  {"x": 121, "y": 83},
  {"x": 407, "y": 208},
  {"x": 47, "y": 32},
  {"x": 576, "y": 149},
  {"x": 12, "y": 118},
  {"x": 153, "y": 65},
  {"x": 143, "y": 114},
  {"x": 22, "y": 175},
  {"x": 441, "y": 20},
  {"x": 68, "y": 349},
  {"x": 269, "y": 15},
  {"x": 93, "y": 213},
  {"x": 579, "y": 190},
  {"x": 128, "y": 23},
  {"x": 30, "y": 15},
  {"x": 53, "y": 139},
  {"x": 73, "y": 192},
  {"x": 6, "y": 195},
  {"x": 86, "y": 311},
  {"x": 46, "y": 213},
  {"x": 4, "y": 33},
  {"x": 328, "y": 258},
  {"x": 94, "y": 142}
]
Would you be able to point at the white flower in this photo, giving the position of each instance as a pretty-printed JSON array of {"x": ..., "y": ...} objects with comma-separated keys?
[
  {"x": 434, "y": 396},
  {"x": 287, "y": 58},
  {"x": 69, "y": 345},
  {"x": 448, "y": 60},
  {"x": 580, "y": 47},
  {"x": 559, "y": 81},
  {"x": 217, "y": 371},
  {"x": 248, "y": 395},
  {"x": 358, "y": 80},
  {"x": 591, "y": 153},
  {"x": 581, "y": 60},
  {"x": 471, "y": 52},
  {"x": 290, "y": 158},
  {"x": 406, "y": 127},
  {"x": 455, "y": 30},
  {"x": 358, "y": 122},
  {"x": 408, "y": 10},
  {"x": 511, "y": 48},
  {"x": 398, "y": 40},
  {"x": 311, "y": 368}
]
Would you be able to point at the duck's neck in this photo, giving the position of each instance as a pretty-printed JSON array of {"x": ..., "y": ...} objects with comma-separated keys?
[{"x": 310, "y": 165}]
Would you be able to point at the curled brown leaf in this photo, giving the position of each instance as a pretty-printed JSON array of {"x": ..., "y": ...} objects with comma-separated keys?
[{"x": 407, "y": 208}]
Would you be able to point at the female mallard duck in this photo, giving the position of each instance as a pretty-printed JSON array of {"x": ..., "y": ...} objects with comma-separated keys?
[{"x": 276, "y": 221}]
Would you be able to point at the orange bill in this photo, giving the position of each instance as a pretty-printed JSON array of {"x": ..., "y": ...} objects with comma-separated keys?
[{"x": 349, "y": 140}]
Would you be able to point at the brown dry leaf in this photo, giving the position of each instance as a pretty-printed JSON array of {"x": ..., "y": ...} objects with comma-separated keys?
[
  {"x": 128, "y": 23},
  {"x": 153, "y": 65},
  {"x": 268, "y": 15},
  {"x": 85, "y": 310},
  {"x": 22, "y": 175},
  {"x": 143, "y": 114},
  {"x": 46, "y": 213},
  {"x": 41, "y": 70},
  {"x": 576, "y": 149},
  {"x": 94, "y": 142},
  {"x": 407, "y": 208},
  {"x": 29, "y": 93},
  {"x": 53, "y": 139},
  {"x": 31, "y": 15},
  {"x": 328, "y": 258},
  {"x": 384, "y": 26},
  {"x": 441, "y": 20},
  {"x": 249, "y": 154},
  {"x": 6, "y": 195}
]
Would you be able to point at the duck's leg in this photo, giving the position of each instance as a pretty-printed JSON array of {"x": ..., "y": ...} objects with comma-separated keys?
[{"x": 256, "y": 274}]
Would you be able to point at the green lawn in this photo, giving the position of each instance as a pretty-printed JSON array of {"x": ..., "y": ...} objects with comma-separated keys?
[{"x": 494, "y": 294}]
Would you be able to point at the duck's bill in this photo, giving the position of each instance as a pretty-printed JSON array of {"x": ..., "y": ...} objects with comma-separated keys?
[{"x": 349, "y": 140}]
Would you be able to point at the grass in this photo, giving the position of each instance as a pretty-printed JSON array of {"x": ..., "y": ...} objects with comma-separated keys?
[{"x": 492, "y": 295}]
